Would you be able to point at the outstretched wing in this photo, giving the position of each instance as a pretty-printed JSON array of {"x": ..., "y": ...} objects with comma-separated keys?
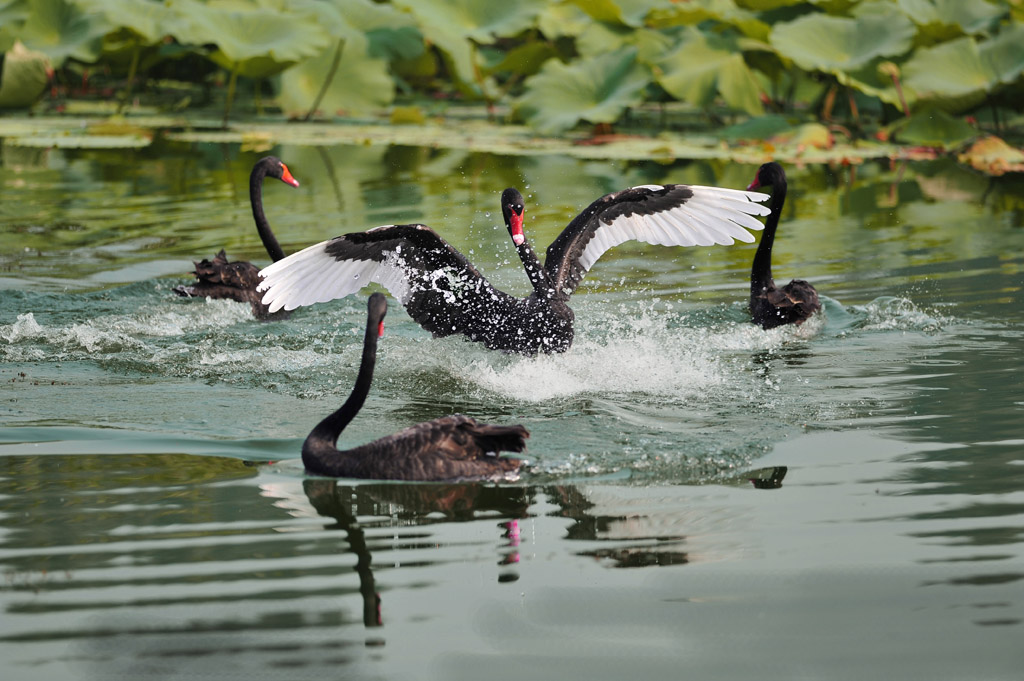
[
  {"x": 435, "y": 283},
  {"x": 667, "y": 215}
]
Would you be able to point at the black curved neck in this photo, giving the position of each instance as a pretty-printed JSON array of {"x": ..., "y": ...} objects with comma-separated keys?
[
  {"x": 327, "y": 431},
  {"x": 274, "y": 249},
  {"x": 761, "y": 271},
  {"x": 534, "y": 270}
]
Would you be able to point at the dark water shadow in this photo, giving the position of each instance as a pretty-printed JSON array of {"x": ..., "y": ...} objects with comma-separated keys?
[{"x": 455, "y": 502}]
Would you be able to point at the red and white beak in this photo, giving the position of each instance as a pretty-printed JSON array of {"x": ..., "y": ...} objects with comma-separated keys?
[
  {"x": 517, "y": 229},
  {"x": 380, "y": 329},
  {"x": 286, "y": 176}
]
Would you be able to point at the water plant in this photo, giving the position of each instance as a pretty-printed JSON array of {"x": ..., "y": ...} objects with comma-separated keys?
[{"x": 559, "y": 65}]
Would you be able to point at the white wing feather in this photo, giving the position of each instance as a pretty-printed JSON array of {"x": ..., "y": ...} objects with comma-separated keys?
[
  {"x": 313, "y": 276},
  {"x": 713, "y": 215}
]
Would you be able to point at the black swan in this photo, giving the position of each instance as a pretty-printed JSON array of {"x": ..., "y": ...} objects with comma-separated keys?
[
  {"x": 219, "y": 278},
  {"x": 449, "y": 448},
  {"x": 445, "y": 294},
  {"x": 771, "y": 306}
]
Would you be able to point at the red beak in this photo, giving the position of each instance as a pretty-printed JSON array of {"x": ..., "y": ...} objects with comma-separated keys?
[
  {"x": 517, "y": 228},
  {"x": 380, "y": 329},
  {"x": 286, "y": 176}
]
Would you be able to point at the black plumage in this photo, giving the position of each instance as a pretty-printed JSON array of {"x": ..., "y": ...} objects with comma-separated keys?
[
  {"x": 447, "y": 295},
  {"x": 449, "y": 448},
  {"x": 221, "y": 279},
  {"x": 771, "y": 306}
]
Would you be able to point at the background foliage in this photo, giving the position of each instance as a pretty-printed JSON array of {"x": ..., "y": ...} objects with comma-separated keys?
[{"x": 554, "y": 65}]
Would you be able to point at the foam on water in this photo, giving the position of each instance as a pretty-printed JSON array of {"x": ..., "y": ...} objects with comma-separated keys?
[
  {"x": 649, "y": 387},
  {"x": 888, "y": 312},
  {"x": 653, "y": 354}
]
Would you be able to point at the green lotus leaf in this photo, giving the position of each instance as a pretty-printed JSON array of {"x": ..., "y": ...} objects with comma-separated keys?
[
  {"x": 624, "y": 12},
  {"x": 150, "y": 20},
  {"x": 454, "y": 25},
  {"x": 23, "y": 77},
  {"x": 933, "y": 128},
  {"x": 361, "y": 83},
  {"x": 78, "y": 141},
  {"x": 706, "y": 66},
  {"x": 1003, "y": 55},
  {"x": 950, "y": 70},
  {"x": 247, "y": 31},
  {"x": 600, "y": 38},
  {"x": 818, "y": 42},
  {"x": 392, "y": 33},
  {"x": 62, "y": 30},
  {"x": 524, "y": 60},
  {"x": 12, "y": 17},
  {"x": 759, "y": 128},
  {"x": 768, "y": 5},
  {"x": 951, "y": 18},
  {"x": 595, "y": 89},
  {"x": 873, "y": 81},
  {"x": 563, "y": 20},
  {"x": 719, "y": 11}
]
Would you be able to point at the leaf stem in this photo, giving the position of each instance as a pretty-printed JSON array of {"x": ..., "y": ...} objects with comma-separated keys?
[
  {"x": 132, "y": 70},
  {"x": 327, "y": 81},
  {"x": 232, "y": 83}
]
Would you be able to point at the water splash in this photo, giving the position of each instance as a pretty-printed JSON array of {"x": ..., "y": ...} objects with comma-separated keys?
[{"x": 889, "y": 312}]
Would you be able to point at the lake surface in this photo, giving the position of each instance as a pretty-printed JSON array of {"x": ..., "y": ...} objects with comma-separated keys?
[{"x": 706, "y": 500}]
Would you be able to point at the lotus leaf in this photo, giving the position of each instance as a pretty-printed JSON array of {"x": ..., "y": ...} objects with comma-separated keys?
[
  {"x": 624, "y": 12},
  {"x": 720, "y": 11},
  {"x": 802, "y": 137},
  {"x": 596, "y": 89},
  {"x": 874, "y": 80},
  {"x": 268, "y": 38},
  {"x": 951, "y": 18},
  {"x": 61, "y": 30},
  {"x": 767, "y": 5},
  {"x": 23, "y": 77},
  {"x": 600, "y": 38},
  {"x": 81, "y": 141},
  {"x": 392, "y": 33},
  {"x": 564, "y": 20},
  {"x": 704, "y": 66},
  {"x": 360, "y": 83},
  {"x": 818, "y": 42},
  {"x": 993, "y": 156},
  {"x": 933, "y": 128},
  {"x": 454, "y": 25},
  {"x": 149, "y": 20},
  {"x": 759, "y": 128},
  {"x": 524, "y": 60},
  {"x": 1003, "y": 54},
  {"x": 948, "y": 71},
  {"x": 12, "y": 17}
]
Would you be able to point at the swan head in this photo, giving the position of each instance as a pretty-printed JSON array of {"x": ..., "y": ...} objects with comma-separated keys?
[
  {"x": 275, "y": 167},
  {"x": 770, "y": 174},
  {"x": 512, "y": 208}
]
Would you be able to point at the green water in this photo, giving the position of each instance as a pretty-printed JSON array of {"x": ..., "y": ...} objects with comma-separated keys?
[{"x": 155, "y": 521}]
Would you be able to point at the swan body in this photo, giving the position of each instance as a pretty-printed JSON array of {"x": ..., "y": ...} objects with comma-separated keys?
[
  {"x": 220, "y": 278},
  {"x": 446, "y": 294},
  {"x": 449, "y": 448},
  {"x": 770, "y": 305}
]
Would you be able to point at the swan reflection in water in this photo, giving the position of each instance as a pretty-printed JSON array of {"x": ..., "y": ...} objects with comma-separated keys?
[
  {"x": 634, "y": 538},
  {"x": 418, "y": 504}
]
